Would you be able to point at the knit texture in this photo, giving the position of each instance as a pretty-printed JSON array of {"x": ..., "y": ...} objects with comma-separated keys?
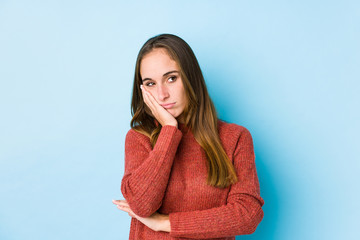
[{"x": 171, "y": 179}]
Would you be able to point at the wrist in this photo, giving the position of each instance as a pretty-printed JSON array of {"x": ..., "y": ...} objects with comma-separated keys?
[
  {"x": 165, "y": 224},
  {"x": 172, "y": 124}
]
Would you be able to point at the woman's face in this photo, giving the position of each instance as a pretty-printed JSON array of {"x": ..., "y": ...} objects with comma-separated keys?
[{"x": 161, "y": 77}]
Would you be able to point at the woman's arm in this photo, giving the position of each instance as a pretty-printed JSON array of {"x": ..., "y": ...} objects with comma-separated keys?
[
  {"x": 147, "y": 170},
  {"x": 240, "y": 215}
]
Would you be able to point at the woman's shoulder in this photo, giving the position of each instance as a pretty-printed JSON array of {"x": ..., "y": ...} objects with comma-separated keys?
[
  {"x": 231, "y": 128},
  {"x": 231, "y": 133},
  {"x": 135, "y": 135}
]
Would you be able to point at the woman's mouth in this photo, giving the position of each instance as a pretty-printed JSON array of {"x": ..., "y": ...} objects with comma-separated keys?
[{"x": 167, "y": 106}]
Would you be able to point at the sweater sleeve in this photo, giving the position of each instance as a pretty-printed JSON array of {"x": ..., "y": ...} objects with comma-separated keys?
[
  {"x": 147, "y": 170},
  {"x": 242, "y": 212}
]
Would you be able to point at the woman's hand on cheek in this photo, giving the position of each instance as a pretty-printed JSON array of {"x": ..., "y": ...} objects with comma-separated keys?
[
  {"x": 156, "y": 222},
  {"x": 160, "y": 113}
]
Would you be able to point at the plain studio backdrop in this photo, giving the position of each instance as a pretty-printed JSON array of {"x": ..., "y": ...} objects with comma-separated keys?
[{"x": 288, "y": 71}]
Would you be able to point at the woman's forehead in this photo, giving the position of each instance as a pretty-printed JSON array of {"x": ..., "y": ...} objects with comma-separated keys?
[{"x": 156, "y": 63}]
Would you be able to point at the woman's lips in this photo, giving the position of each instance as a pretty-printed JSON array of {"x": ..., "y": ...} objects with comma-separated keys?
[{"x": 167, "y": 106}]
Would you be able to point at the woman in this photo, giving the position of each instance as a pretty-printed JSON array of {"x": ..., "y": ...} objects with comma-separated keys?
[{"x": 187, "y": 173}]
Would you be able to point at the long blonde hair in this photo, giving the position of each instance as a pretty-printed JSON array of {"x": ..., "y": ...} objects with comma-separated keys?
[{"x": 200, "y": 115}]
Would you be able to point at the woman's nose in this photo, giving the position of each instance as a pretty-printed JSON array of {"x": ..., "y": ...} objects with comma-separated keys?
[{"x": 163, "y": 92}]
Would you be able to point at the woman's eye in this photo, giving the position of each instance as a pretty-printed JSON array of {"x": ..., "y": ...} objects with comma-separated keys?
[
  {"x": 172, "y": 79},
  {"x": 149, "y": 84}
]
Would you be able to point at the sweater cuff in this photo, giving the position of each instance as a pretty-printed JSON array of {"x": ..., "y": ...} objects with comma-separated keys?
[
  {"x": 177, "y": 229},
  {"x": 174, "y": 225},
  {"x": 168, "y": 134}
]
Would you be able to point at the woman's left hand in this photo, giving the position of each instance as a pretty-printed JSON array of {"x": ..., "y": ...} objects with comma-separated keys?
[{"x": 157, "y": 221}]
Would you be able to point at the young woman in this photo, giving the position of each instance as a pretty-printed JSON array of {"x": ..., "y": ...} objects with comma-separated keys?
[{"x": 187, "y": 173}]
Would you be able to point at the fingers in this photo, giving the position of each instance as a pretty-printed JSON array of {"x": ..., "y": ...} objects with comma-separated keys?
[
  {"x": 121, "y": 203},
  {"x": 126, "y": 209},
  {"x": 149, "y": 100},
  {"x": 124, "y": 206}
]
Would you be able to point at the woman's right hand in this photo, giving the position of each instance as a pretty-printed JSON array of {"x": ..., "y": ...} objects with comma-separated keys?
[{"x": 160, "y": 113}]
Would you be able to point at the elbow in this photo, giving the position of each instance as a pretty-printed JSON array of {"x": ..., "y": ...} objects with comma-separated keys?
[
  {"x": 142, "y": 210},
  {"x": 139, "y": 206},
  {"x": 254, "y": 222},
  {"x": 126, "y": 191}
]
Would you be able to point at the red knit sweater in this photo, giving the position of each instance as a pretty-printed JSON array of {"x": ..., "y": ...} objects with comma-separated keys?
[{"x": 171, "y": 179}]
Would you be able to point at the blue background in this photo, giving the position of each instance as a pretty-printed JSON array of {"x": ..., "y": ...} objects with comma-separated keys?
[{"x": 289, "y": 71}]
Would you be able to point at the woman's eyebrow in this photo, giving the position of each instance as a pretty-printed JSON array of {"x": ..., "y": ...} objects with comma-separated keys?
[
  {"x": 165, "y": 74},
  {"x": 146, "y": 79},
  {"x": 174, "y": 71}
]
